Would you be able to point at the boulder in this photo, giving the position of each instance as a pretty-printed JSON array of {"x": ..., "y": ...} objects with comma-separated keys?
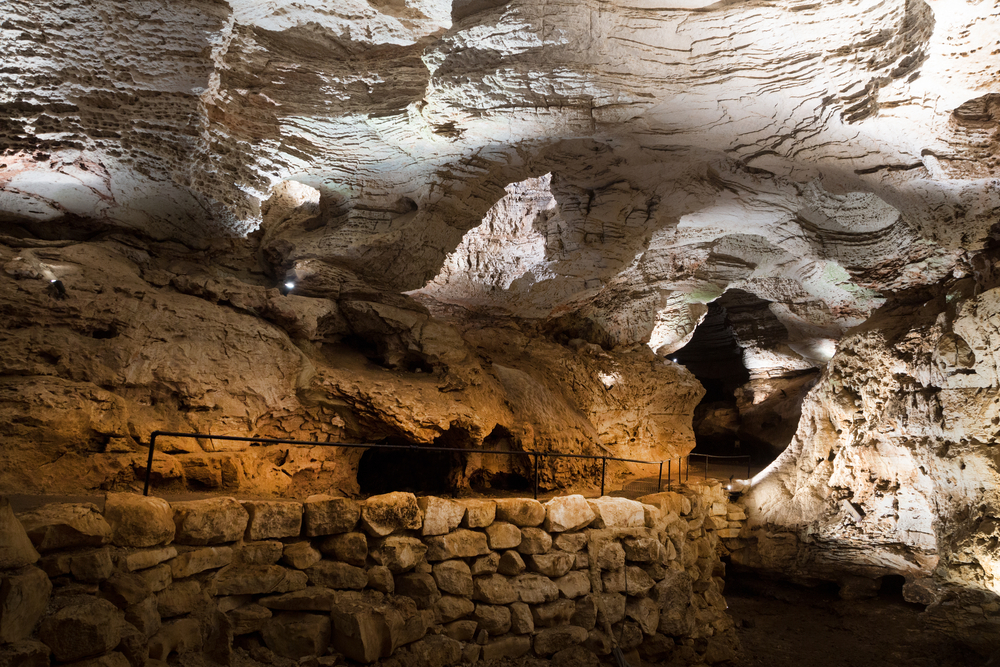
[
  {"x": 329, "y": 515},
  {"x": 487, "y": 564},
  {"x": 16, "y": 549},
  {"x": 451, "y": 607},
  {"x": 65, "y": 526},
  {"x": 462, "y": 543},
  {"x": 534, "y": 541},
  {"x": 521, "y": 622},
  {"x": 567, "y": 513},
  {"x": 534, "y": 588},
  {"x": 295, "y": 634},
  {"x": 553, "y": 564},
  {"x": 420, "y": 587},
  {"x": 82, "y": 629},
  {"x": 479, "y": 513},
  {"x": 570, "y": 542},
  {"x": 140, "y": 560},
  {"x": 495, "y": 619},
  {"x": 454, "y": 576},
  {"x": 337, "y": 575},
  {"x": 610, "y": 556},
  {"x": 300, "y": 555},
  {"x": 573, "y": 584},
  {"x": 257, "y": 580},
  {"x": 24, "y": 595},
  {"x": 347, "y": 547},
  {"x": 645, "y": 612},
  {"x": 273, "y": 519},
  {"x": 553, "y": 640},
  {"x": 503, "y": 535},
  {"x": 156, "y": 578},
  {"x": 124, "y": 589},
  {"x": 493, "y": 589},
  {"x": 181, "y": 597},
  {"x": 614, "y": 512},
  {"x": 390, "y": 512},
  {"x": 139, "y": 521},
  {"x": 511, "y": 564},
  {"x": 669, "y": 501},
  {"x": 643, "y": 550},
  {"x": 200, "y": 560},
  {"x": 399, "y": 553},
  {"x": 610, "y": 608},
  {"x": 440, "y": 515},
  {"x": 367, "y": 628},
  {"x": 144, "y": 616},
  {"x": 522, "y": 512},
  {"x": 311, "y": 598},
  {"x": 209, "y": 521},
  {"x": 551, "y": 614},
  {"x": 585, "y": 614},
  {"x": 380, "y": 579}
]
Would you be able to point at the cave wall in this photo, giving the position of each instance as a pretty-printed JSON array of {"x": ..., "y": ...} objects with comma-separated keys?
[{"x": 156, "y": 336}]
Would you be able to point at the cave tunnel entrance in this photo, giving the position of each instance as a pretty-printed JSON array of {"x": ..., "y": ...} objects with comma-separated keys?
[
  {"x": 723, "y": 427},
  {"x": 415, "y": 469},
  {"x": 500, "y": 472}
]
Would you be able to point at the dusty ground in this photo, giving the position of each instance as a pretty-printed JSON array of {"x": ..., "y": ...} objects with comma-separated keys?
[{"x": 781, "y": 625}]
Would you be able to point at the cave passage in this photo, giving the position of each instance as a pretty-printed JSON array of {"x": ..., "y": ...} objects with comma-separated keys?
[{"x": 415, "y": 469}]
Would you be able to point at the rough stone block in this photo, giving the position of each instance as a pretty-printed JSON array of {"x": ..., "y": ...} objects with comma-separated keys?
[
  {"x": 511, "y": 564},
  {"x": 451, "y": 607},
  {"x": 487, "y": 564},
  {"x": 610, "y": 607},
  {"x": 567, "y": 513},
  {"x": 436, "y": 651},
  {"x": 200, "y": 560},
  {"x": 521, "y": 622},
  {"x": 570, "y": 542},
  {"x": 510, "y": 647},
  {"x": 25, "y": 653},
  {"x": 493, "y": 589},
  {"x": 669, "y": 501},
  {"x": 613, "y": 512},
  {"x": 260, "y": 553},
  {"x": 209, "y": 521},
  {"x": 273, "y": 519},
  {"x": 16, "y": 549},
  {"x": 92, "y": 566},
  {"x": 82, "y": 629},
  {"x": 462, "y": 631},
  {"x": 349, "y": 548},
  {"x": 398, "y": 552},
  {"x": 311, "y": 598},
  {"x": 495, "y": 619},
  {"x": 573, "y": 584},
  {"x": 522, "y": 512},
  {"x": 462, "y": 543},
  {"x": 65, "y": 526},
  {"x": 329, "y": 515},
  {"x": 157, "y": 578},
  {"x": 258, "y": 579},
  {"x": 577, "y": 656},
  {"x": 610, "y": 556},
  {"x": 503, "y": 535},
  {"x": 300, "y": 555},
  {"x": 24, "y": 595},
  {"x": 585, "y": 614},
  {"x": 534, "y": 588},
  {"x": 366, "y": 629},
  {"x": 553, "y": 564},
  {"x": 181, "y": 597},
  {"x": 553, "y": 640},
  {"x": 390, "y": 512},
  {"x": 124, "y": 589},
  {"x": 643, "y": 549},
  {"x": 113, "y": 659},
  {"x": 534, "y": 541},
  {"x": 140, "y": 560},
  {"x": 645, "y": 612},
  {"x": 248, "y": 618},
  {"x": 454, "y": 576},
  {"x": 380, "y": 579},
  {"x": 336, "y": 575},
  {"x": 420, "y": 587},
  {"x": 478, "y": 513},
  {"x": 139, "y": 521},
  {"x": 176, "y": 637},
  {"x": 144, "y": 616},
  {"x": 550, "y": 614},
  {"x": 294, "y": 634},
  {"x": 440, "y": 515}
]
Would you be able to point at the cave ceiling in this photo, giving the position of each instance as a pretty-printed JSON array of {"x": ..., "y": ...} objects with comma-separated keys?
[{"x": 610, "y": 166}]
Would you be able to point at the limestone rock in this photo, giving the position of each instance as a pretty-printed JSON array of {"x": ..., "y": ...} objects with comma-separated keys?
[
  {"x": 267, "y": 552},
  {"x": 156, "y": 578},
  {"x": 380, "y": 579},
  {"x": 440, "y": 515},
  {"x": 144, "y": 616},
  {"x": 553, "y": 640},
  {"x": 16, "y": 549},
  {"x": 420, "y": 587},
  {"x": 551, "y": 614},
  {"x": 645, "y": 612},
  {"x": 398, "y": 553},
  {"x": 200, "y": 560},
  {"x": 248, "y": 618},
  {"x": 66, "y": 526},
  {"x": 575, "y": 656},
  {"x": 271, "y": 519},
  {"x": 454, "y": 576},
  {"x": 336, "y": 575},
  {"x": 181, "y": 597},
  {"x": 461, "y": 543},
  {"x": 522, "y": 512},
  {"x": 328, "y": 515},
  {"x": 493, "y": 589},
  {"x": 24, "y": 596},
  {"x": 553, "y": 564},
  {"x": 534, "y": 541},
  {"x": 92, "y": 566},
  {"x": 300, "y": 555},
  {"x": 487, "y": 564},
  {"x": 451, "y": 607},
  {"x": 24, "y": 654},
  {"x": 176, "y": 637},
  {"x": 567, "y": 513},
  {"x": 495, "y": 619},
  {"x": 390, "y": 512},
  {"x": 511, "y": 647},
  {"x": 125, "y": 589},
  {"x": 573, "y": 584},
  {"x": 139, "y": 521},
  {"x": 617, "y": 513},
  {"x": 140, "y": 560},
  {"x": 209, "y": 521},
  {"x": 534, "y": 588},
  {"x": 352, "y": 548},
  {"x": 511, "y": 564},
  {"x": 570, "y": 542},
  {"x": 257, "y": 580},
  {"x": 366, "y": 629},
  {"x": 502, "y": 535},
  {"x": 312, "y": 598},
  {"x": 82, "y": 630},
  {"x": 297, "y": 634},
  {"x": 479, "y": 513},
  {"x": 437, "y": 651}
]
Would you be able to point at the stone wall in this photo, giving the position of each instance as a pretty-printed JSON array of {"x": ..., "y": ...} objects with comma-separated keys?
[{"x": 429, "y": 581}]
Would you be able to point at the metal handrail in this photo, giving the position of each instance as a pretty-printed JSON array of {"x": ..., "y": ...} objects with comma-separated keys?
[
  {"x": 379, "y": 445},
  {"x": 713, "y": 456}
]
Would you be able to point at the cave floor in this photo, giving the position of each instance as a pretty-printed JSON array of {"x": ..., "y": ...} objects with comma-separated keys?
[{"x": 783, "y": 625}]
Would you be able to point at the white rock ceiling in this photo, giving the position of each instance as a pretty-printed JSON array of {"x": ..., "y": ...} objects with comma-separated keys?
[{"x": 612, "y": 165}]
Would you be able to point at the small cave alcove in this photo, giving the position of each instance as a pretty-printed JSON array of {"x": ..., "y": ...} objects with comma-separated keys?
[
  {"x": 411, "y": 467},
  {"x": 500, "y": 472}
]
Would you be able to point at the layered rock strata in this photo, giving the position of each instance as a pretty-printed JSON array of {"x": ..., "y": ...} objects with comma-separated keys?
[{"x": 427, "y": 581}]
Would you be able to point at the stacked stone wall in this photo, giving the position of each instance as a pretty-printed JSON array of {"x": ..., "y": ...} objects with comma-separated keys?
[{"x": 420, "y": 581}]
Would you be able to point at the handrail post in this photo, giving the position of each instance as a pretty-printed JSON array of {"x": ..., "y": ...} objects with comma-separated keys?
[
  {"x": 706, "y": 468},
  {"x": 536, "y": 475},
  {"x": 149, "y": 461},
  {"x": 604, "y": 468},
  {"x": 669, "y": 463},
  {"x": 659, "y": 482},
  {"x": 688, "y": 478},
  {"x": 748, "y": 467}
]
